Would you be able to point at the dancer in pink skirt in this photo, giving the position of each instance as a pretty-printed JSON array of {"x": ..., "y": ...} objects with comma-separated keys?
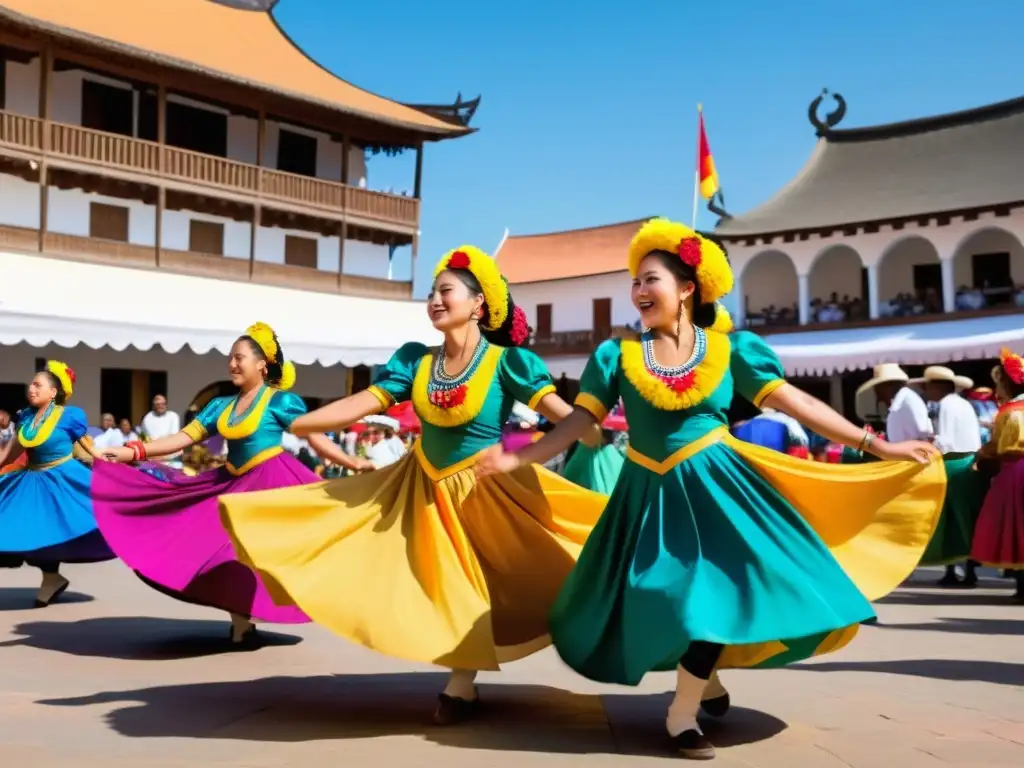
[{"x": 168, "y": 529}]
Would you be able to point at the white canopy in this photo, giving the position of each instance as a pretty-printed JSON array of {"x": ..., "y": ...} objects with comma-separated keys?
[
  {"x": 820, "y": 353},
  {"x": 46, "y": 301}
]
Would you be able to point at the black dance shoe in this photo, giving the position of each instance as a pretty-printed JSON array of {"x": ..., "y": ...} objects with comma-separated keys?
[
  {"x": 693, "y": 745},
  {"x": 452, "y": 710}
]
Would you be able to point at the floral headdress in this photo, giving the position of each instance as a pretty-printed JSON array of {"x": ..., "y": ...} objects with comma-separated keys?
[
  {"x": 1013, "y": 365},
  {"x": 708, "y": 260},
  {"x": 502, "y": 313},
  {"x": 266, "y": 339},
  {"x": 65, "y": 375}
]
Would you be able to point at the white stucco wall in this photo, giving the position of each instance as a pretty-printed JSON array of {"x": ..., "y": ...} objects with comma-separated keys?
[{"x": 572, "y": 301}]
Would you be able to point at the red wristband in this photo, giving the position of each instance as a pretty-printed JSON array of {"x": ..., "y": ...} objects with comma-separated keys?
[{"x": 138, "y": 449}]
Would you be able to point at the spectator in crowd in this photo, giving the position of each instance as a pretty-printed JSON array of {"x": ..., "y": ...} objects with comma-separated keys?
[
  {"x": 128, "y": 431},
  {"x": 111, "y": 437},
  {"x": 161, "y": 422},
  {"x": 6, "y": 428},
  {"x": 908, "y": 415}
]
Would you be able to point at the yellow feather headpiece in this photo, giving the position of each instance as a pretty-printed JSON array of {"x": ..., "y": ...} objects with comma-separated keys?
[
  {"x": 714, "y": 275},
  {"x": 486, "y": 272},
  {"x": 264, "y": 336},
  {"x": 64, "y": 374}
]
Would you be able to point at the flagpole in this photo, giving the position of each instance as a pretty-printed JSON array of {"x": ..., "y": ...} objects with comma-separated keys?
[
  {"x": 501, "y": 245},
  {"x": 696, "y": 172}
]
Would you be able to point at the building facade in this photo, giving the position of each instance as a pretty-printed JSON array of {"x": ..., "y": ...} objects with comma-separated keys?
[{"x": 170, "y": 173}]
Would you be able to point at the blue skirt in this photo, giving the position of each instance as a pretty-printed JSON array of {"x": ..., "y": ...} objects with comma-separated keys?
[{"x": 46, "y": 516}]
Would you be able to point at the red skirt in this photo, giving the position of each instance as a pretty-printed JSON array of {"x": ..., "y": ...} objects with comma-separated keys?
[{"x": 999, "y": 534}]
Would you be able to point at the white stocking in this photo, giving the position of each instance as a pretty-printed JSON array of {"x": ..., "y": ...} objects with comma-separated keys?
[
  {"x": 682, "y": 712},
  {"x": 460, "y": 684}
]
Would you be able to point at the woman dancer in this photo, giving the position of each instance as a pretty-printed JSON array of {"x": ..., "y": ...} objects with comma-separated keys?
[
  {"x": 450, "y": 571},
  {"x": 999, "y": 534},
  {"x": 168, "y": 529},
  {"x": 45, "y": 512},
  {"x": 713, "y": 552}
]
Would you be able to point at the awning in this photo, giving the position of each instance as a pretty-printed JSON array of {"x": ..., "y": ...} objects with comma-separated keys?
[
  {"x": 48, "y": 301},
  {"x": 820, "y": 353}
]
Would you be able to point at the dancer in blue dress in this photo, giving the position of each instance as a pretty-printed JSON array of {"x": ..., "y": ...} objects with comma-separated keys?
[{"x": 45, "y": 510}]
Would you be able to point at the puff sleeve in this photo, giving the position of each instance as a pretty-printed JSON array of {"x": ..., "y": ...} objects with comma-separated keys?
[
  {"x": 205, "y": 424},
  {"x": 286, "y": 407},
  {"x": 393, "y": 383},
  {"x": 756, "y": 369},
  {"x": 599, "y": 385},
  {"x": 523, "y": 374},
  {"x": 74, "y": 422}
]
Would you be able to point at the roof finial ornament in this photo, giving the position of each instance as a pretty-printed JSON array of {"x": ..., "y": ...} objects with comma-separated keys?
[{"x": 832, "y": 119}]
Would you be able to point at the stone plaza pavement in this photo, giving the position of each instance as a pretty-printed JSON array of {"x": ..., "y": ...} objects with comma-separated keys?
[{"x": 118, "y": 675}]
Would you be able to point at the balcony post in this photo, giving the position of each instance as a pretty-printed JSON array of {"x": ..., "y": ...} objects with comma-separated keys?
[
  {"x": 872, "y": 297},
  {"x": 418, "y": 182},
  {"x": 948, "y": 283},
  {"x": 346, "y": 148},
  {"x": 342, "y": 236},
  {"x": 804, "y": 299},
  {"x": 45, "y": 100},
  {"x": 161, "y": 192},
  {"x": 740, "y": 321},
  {"x": 257, "y": 209}
]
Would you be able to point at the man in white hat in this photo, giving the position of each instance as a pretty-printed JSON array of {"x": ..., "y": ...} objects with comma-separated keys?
[{"x": 908, "y": 415}]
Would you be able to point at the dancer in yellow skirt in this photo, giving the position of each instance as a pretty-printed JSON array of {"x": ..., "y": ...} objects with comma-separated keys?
[{"x": 420, "y": 560}]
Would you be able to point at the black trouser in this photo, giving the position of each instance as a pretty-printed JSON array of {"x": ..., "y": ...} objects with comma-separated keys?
[{"x": 700, "y": 658}]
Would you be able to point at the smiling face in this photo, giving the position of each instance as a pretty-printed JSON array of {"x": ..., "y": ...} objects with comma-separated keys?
[
  {"x": 658, "y": 292},
  {"x": 41, "y": 390},
  {"x": 245, "y": 367},
  {"x": 451, "y": 303}
]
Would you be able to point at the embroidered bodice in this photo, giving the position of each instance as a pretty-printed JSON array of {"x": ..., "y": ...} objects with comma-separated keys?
[
  {"x": 54, "y": 437},
  {"x": 1007, "y": 440},
  {"x": 254, "y": 435},
  {"x": 461, "y": 424},
  {"x": 666, "y": 408}
]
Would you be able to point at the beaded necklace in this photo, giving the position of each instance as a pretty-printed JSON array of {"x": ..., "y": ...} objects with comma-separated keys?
[
  {"x": 681, "y": 377},
  {"x": 447, "y": 391}
]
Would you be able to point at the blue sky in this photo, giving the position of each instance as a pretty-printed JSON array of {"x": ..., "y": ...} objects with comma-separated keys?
[{"x": 590, "y": 118}]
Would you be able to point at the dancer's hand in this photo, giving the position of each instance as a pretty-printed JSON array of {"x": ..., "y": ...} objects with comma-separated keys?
[
  {"x": 494, "y": 461},
  {"x": 593, "y": 437},
  {"x": 362, "y": 465},
  {"x": 122, "y": 455},
  {"x": 908, "y": 450}
]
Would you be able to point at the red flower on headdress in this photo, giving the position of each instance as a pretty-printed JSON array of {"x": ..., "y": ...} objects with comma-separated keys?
[
  {"x": 1014, "y": 367},
  {"x": 520, "y": 330},
  {"x": 71, "y": 375},
  {"x": 689, "y": 251},
  {"x": 459, "y": 260}
]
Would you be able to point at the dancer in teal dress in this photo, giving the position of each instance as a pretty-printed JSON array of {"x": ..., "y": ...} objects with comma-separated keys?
[
  {"x": 45, "y": 511},
  {"x": 714, "y": 553}
]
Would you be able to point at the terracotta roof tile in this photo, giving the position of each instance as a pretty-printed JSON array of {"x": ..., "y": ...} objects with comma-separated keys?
[
  {"x": 238, "y": 45},
  {"x": 561, "y": 255}
]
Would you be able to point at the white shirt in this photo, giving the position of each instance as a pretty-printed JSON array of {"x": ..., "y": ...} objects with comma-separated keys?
[
  {"x": 293, "y": 444},
  {"x": 386, "y": 452},
  {"x": 957, "y": 427},
  {"x": 112, "y": 438},
  {"x": 156, "y": 427},
  {"x": 908, "y": 418}
]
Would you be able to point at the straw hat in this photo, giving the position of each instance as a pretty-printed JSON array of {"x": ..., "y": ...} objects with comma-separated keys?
[
  {"x": 883, "y": 373},
  {"x": 935, "y": 373},
  {"x": 963, "y": 383}
]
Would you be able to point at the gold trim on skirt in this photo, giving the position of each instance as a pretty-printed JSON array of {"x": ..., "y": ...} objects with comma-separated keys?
[{"x": 419, "y": 563}]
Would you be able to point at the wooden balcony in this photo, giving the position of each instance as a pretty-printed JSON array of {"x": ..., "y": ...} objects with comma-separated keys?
[
  {"x": 114, "y": 253},
  {"x": 568, "y": 342},
  {"x": 75, "y": 148}
]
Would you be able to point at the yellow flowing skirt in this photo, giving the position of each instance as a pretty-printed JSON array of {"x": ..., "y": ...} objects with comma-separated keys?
[{"x": 418, "y": 563}]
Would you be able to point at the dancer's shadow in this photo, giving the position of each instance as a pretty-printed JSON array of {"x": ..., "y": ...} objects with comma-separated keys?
[
  {"x": 24, "y": 598},
  {"x": 998, "y": 672},
  {"x": 965, "y": 626},
  {"x": 946, "y": 597},
  {"x": 134, "y": 637},
  {"x": 517, "y": 718}
]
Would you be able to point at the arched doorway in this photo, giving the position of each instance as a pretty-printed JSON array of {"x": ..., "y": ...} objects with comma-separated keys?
[
  {"x": 770, "y": 289},
  {"x": 838, "y": 285},
  {"x": 910, "y": 278},
  {"x": 990, "y": 261}
]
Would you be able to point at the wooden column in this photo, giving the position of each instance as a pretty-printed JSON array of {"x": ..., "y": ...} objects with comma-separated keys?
[
  {"x": 342, "y": 236},
  {"x": 257, "y": 210},
  {"x": 346, "y": 148},
  {"x": 161, "y": 193},
  {"x": 417, "y": 187},
  {"x": 45, "y": 99}
]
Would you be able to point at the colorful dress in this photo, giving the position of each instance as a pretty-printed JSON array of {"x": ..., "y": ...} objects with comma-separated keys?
[
  {"x": 709, "y": 538},
  {"x": 596, "y": 469},
  {"x": 168, "y": 528},
  {"x": 46, "y": 514},
  {"x": 965, "y": 492},
  {"x": 999, "y": 534},
  {"x": 420, "y": 560}
]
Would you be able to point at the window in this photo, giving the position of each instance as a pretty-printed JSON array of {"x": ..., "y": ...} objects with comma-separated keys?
[
  {"x": 928, "y": 276},
  {"x": 206, "y": 237},
  {"x": 107, "y": 108},
  {"x": 128, "y": 393},
  {"x": 300, "y": 251},
  {"x": 296, "y": 153},
  {"x": 108, "y": 222},
  {"x": 603, "y": 317},
  {"x": 361, "y": 379},
  {"x": 991, "y": 270},
  {"x": 197, "y": 129},
  {"x": 543, "y": 321}
]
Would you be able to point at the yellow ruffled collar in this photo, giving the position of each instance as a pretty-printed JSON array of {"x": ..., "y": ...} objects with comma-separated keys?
[
  {"x": 477, "y": 386},
  {"x": 43, "y": 432},
  {"x": 678, "y": 393}
]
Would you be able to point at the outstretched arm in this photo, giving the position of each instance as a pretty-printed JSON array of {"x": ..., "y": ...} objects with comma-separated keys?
[
  {"x": 814, "y": 414},
  {"x": 556, "y": 410},
  {"x": 337, "y": 415},
  {"x": 165, "y": 446},
  {"x": 326, "y": 449}
]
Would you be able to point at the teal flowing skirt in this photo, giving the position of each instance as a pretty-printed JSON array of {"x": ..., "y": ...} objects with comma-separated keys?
[
  {"x": 711, "y": 551},
  {"x": 965, "y": 494},
  {"x": 596, "y": 469}
]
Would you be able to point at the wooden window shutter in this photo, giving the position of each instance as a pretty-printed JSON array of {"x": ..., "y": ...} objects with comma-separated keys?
[
  {"x": 300, "y": 251},
  {"x": 206, "y": 237},
  {"x": 108, "y": 222}
]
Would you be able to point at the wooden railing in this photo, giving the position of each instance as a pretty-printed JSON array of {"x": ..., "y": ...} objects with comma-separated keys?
[
  {"x": 78, "y": 146},
  {"x": 95, "y": 250}
]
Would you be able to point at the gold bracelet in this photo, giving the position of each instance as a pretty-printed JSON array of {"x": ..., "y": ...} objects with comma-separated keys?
[
  {"x": 860, "y": 445},
  {"x": 868, "y": 440}
]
